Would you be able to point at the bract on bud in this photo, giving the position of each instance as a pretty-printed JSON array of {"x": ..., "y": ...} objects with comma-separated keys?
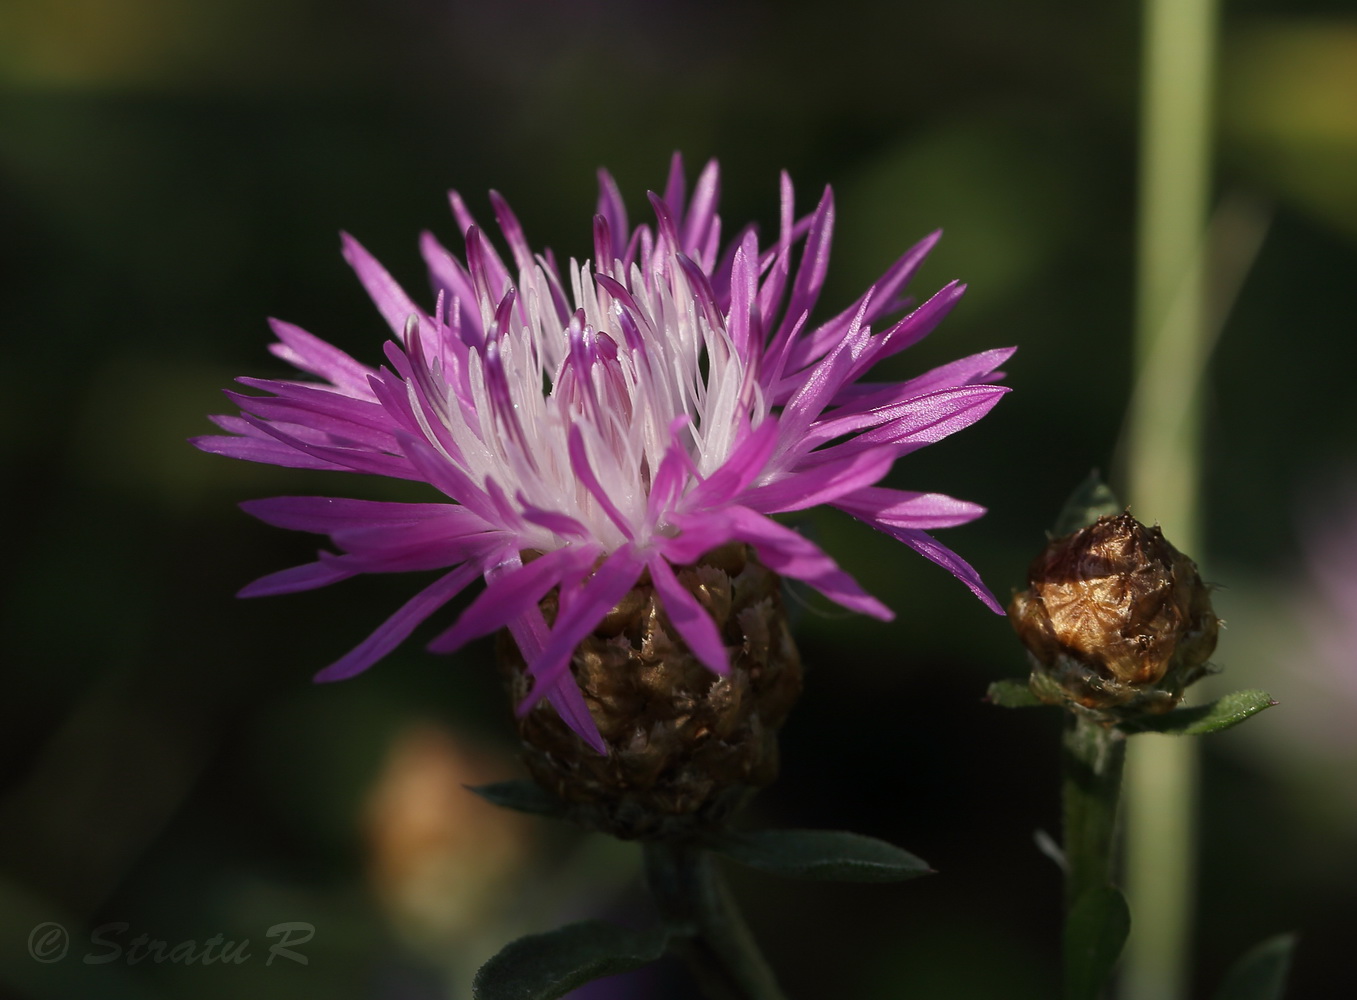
[
  {"x": 686, "y": 746},
  {"x": 1115, "y": 619}
]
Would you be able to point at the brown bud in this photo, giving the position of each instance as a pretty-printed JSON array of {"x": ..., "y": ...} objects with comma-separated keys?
[
  {"x": 1115, "y": 619},
  {"x": 685, "y": 746}
]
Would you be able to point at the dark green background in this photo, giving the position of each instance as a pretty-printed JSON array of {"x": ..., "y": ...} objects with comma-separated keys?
[{"x": 173, "y": 173}]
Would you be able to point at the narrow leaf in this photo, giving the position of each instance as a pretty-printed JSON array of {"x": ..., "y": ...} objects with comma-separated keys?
[
  {"x": 1095, "y": 931},
  {"x": 1090, "y": 500},
  {"x": 1261, "y": 973},
  {"x": 1198, "y": 719},
  {"x": 525, "y": 796},
  {"x": 550, "y": 965},
  {"x": 824, "y": 855},
  {"x": 1012, "y": 694}
]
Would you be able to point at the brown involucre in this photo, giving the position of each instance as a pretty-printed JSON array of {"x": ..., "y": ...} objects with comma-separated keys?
[{"x": 685, "y": 746}]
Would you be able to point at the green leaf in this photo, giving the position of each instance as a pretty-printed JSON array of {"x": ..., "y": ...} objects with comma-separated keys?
[
  {"x": 545, "y": 966},
  {"x": 525, "y": 796},
  {"x": 1198, "y": 719},
  {"x": 824, "y": 855},
  {"x": 1012, "y": 694},
  {"x": 1095, "y": 931},
  {"x": 1261, "y": 973},
  {"x": 1090, "y": 500}
]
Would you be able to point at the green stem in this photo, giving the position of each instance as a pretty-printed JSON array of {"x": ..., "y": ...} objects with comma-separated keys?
[
  {"x": 711, "y": 935},
  {"x": 1160, "y": 866},
  {"x": 1164, "y": 449},
  {"x": 1092, "y": 757},
  {"x": 1172, "y": 329}
]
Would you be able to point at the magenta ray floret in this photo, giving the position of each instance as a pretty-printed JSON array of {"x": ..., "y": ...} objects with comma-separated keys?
[{"x": 689, "y": 397}]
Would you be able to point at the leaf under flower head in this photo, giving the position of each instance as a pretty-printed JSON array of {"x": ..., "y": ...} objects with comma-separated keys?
[{"x": 687, "y": 397}]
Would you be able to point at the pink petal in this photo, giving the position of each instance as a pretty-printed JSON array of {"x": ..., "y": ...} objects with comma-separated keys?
[
  {"x": 308, "y": 576},
  {"x": 580, "y": 613},
  {"x": 392, "y": 632},
  {"x": 818, "y": 387},
  {"x": 770, "y": 293},
  {"x": 358, "y": 460},
  {"x": 745, "y": 463},
  {"x": 305, "y": 414},
  {"x": 921, "y": 322},
  {"x": 899, "y": 274},
  {"x": 810, "y": 275},
  {"x": 511, "y": 594},
  {"x": 614, "y": 210},
  {"x": 702, "y": 210},
  {"x": 390, "y": 299},
  {"x": 743, "y": 324},
  {"x": 269, "y": 452},
  {"x": 903, "y": 509},
  {"x": 469, "y": 533},
  {"x": 780, "y": 549},
  {"x": 675, "y": 187},
  {"x": 530, "y": 633},
  {"x": 553, "y": 521},
  {"x": 565, "y": 697},
  {"x": 907, "y": 427},
  {"x": 311, "y": 354},
  {"x": 579, "y": 462},
  {"x": 935, "y": 551},
  {"x": 797, "y": 491},
  {"x": 864, "y": 396},
  {"x": 323, "y": 515},
  {"x": 512, "y": 230},
  {"x": 451, "y": 278},
  {"x": 323, "y": 399},
  {"x": 691, "y": 619},
  {"x": 489, "y": 276},
  {"x": 446, "y": 476},
  {"x": 431, "y": 545},
  {"x": 676, "y": 468}
]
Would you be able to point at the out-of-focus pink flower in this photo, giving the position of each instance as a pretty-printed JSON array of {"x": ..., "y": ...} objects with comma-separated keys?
[
  {"x": 1329, "y": 606},
  {"x": 620, "y": 416}
]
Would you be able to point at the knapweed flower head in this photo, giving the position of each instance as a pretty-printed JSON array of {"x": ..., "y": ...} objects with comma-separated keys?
[{"x": 609, "y": 422}]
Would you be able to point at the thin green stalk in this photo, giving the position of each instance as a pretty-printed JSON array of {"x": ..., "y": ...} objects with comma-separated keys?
[
  {"x": 1160, "y": 867},
  {"x": 1164, "y": 448},
  {"x": 1092, "y": 757},
  {"x": 711, "y": 935}
]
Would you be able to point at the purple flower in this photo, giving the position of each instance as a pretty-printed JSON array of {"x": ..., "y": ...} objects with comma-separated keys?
[{"x": 623, "y": 415}]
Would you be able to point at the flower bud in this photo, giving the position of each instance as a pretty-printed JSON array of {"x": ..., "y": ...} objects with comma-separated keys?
[
  {"x": 1115, "y": 619},
  {"x": 686, "y": 746}
]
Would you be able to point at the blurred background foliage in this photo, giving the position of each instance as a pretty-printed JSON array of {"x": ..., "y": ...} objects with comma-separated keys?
[{"x": 171, "y": 173}]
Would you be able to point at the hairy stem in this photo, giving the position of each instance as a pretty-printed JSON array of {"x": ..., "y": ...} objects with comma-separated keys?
[
  {"x": 1092, "y": 757},
  {"x": 711, "y": 936}
]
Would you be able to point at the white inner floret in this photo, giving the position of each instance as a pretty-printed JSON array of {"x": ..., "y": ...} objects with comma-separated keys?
[{"x": 533, "y": 382}]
